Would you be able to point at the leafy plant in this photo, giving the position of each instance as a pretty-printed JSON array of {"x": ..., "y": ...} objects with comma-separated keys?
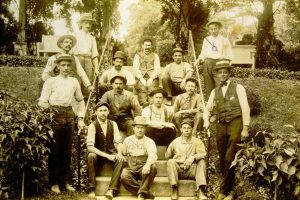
[
  {"x": 276, "y": 161},
  {"x": 25, "y": 133}
]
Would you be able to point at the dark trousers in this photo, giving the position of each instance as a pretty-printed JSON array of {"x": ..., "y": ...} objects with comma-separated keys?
[
  {"x": 162, "y": 136},
  {"x": 88, "y": 66},
  {"x": 61, "y": 148},
  {"x": 134, "y": 180},
  {"x": 197, "y": 172},
  {"x": 172, "y": 88},
  {"x": 228, "y": 136},
  {"x": 94, "y": 165},
  {"x": 210, "y": 75}
]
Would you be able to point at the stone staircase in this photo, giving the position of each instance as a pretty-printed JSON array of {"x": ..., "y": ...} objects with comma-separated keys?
[{"x": 160, "y": 187}]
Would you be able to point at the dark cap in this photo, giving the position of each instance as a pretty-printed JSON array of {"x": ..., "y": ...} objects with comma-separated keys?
[
  {"x": 101, "y": 103},
  {"x": 119, "y": 77},
  {"x": 187, "y": 121},
  {"x": 159, "y": 90}
]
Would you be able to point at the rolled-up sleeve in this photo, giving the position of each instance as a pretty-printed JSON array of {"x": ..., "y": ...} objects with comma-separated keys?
[
  {"x": 243, "y": 100},
  {"x": 79, "y": 97},
  {"x": 200, "y": 150},
  {"x": 90, "y": 137},
  {"x": 152, "y": 152},
  {"x": 45, "y": 95},
  {"x": 117, "y": 135},
  {"x": 136, "y": 67}
]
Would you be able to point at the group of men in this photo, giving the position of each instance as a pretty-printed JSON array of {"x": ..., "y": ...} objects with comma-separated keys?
[{"x": 135, "y": 104}]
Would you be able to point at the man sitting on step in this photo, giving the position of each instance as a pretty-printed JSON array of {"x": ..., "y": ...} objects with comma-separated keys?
[
  {"x": 186, "y": 160},
  {"x": 140, "y": 151},
  {"x": 104, "y": 144},
  {"x": 159, "y": 118},
  {"x": 189, "y": 105}
]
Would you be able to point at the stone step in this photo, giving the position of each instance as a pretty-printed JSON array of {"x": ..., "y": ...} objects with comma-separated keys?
[
  {"x": 160, "y": 187},
  {"x": 161, "y": 166}
]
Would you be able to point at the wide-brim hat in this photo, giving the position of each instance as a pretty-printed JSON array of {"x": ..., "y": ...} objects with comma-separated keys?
[
  {"x": 101, "y": 103},
  {"x": 147, "y": 38},
  {"x": 214, "y": 21},
  {"x": 119, "y": 54},
  {"x": 63, "y": 37},
  {"x": 223, "y": 64},
  {"x": 139, "y": 120},
  {"x": 86, "y": 17},
  {"x": 158, "y": 90},
  {"x": 187, "y": 121},
  {"x": 119, "y": 77},
  {"x": 177, "y": 49},
  {"x": 63, "y": 57}
]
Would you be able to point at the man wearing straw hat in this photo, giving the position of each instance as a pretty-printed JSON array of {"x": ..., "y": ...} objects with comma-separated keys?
[
  {"x": 116, "y": 70},
  {"x": 58, "y": 93},
  {"x": 233, "y": 119},
  {"x": 146, "y": 66},
  {"x": 214, "y": 48},
  {"x": 104, "y": 145},
  {"x": 141, "y": 154},
  {"x": 176, "y": 73},
  {"x": 66, "y": 43},
  {"x": 86, "y": 47}
]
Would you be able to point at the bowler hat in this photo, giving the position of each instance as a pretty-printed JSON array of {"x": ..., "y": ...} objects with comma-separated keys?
[
  {"x": 65, "y": 57},
  {"x": 223, "y": 64},
  {"x": 86, "y": 17},
  {"x": 159, "y": 90},
  {"x": 214, "y": 21},
  {"x": 139, "y": 120},
  {"x": 120, "y": 77},
  {"x": 187, "y": 121},
  {"x": 63, "y": 37},
  {"x": 119, "y": 54},
  {"x": 177, "y": 49},
  {"x": 101, "y": 103}
]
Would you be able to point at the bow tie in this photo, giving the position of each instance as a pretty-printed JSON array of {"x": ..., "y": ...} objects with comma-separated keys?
[{"x": 223, "y": 83}]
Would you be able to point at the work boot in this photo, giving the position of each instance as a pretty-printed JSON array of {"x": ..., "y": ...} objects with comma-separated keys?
[
  {"x": 174, "y": 195},
  {"x": 69, "y": 187},
  {"x": 91, "y": 192},
  {"x": 200, "y": 195},
  {"x": 141, "y": 197},
  {"x": 109, "y": 194},
  {"x": 220, "y": 196},
  {"x": 230, "y": 196},
  {"x": 55, "y": 189}
]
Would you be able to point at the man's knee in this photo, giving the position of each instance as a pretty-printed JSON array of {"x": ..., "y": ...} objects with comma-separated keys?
[
  {"x": 92, "y": 157},
  {"x": 171, "y": 163},
  {"x": 125, "y": 175}
]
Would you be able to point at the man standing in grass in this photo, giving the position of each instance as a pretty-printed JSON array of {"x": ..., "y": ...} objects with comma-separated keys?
[
  {"x": 233, "y": 119},
  {"x": 215, "y": 47},
  {"x": 58, "y": 93}
]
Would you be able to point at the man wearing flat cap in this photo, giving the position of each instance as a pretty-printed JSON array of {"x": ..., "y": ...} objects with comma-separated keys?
[
  {"x": 233, "y": 119},
  {"x": 186, "y": 160},
  {"x": 86, "y": 47},
  {"x": 66, "y": 43},
  {"x": 189, "y": 105},
  {"x": 215, "y": 47},
  {"x": 159, "y": 118},
  {"x": 123, "y": 104},
  {"x": 141, "y": 155},
  {"x": 116, "y": 70},
  {"x": 176, "y": 73},
  {"x": 104, "y": 145},
  {"x": 58, "y": 93},
  {"x": 146, "y": 66}
]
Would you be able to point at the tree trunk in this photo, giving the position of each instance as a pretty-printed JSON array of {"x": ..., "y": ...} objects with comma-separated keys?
[{"x": 266, "y": 45}]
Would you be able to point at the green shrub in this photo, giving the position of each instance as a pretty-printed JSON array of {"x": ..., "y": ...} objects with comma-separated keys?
[
  {"x": 25, "y": 134},
  {"x": 275, "y": 161},
  {"x": 17, "y": 61}
]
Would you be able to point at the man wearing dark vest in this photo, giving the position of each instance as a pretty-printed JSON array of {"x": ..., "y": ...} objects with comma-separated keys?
[
  {"x": 146, "y": 66},
  {"x": 104, "y": 144},
  {"x": 233, "y": 119}
]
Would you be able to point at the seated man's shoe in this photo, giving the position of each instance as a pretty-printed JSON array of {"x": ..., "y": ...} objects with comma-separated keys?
[
  {"x": 149, "y": 195},
  {"x": 174, "y": 195},
  {"x": 201, "y": 195},
  {"x": 220, "y": 196},
  {"x": 109, "y": 194},
  {"x": 69, "y": 188},
  {"x": 91, "y": 192},
  {"x": 141, "y": 197},
  {"x": 230, "y": 196},
  {"x": 55, "y": 189}
]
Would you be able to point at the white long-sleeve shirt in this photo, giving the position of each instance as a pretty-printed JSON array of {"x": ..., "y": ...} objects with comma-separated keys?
[
  {"x": 242, "y": 97},
  {"x": 86, "y": 44},
  {"x": 216, "y": 48}
]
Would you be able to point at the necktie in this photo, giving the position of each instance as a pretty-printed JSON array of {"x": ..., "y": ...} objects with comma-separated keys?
[{"x": 223, "y": 83}]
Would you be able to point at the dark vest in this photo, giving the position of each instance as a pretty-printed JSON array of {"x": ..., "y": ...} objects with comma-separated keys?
[
  {"x": 146, "y": 63},
  {"x": 228, "y": 107},
  {"x": 105, "y": 144}
]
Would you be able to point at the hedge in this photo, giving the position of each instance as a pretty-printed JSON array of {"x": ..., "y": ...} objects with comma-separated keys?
[{"x": 238, "y": 72}]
